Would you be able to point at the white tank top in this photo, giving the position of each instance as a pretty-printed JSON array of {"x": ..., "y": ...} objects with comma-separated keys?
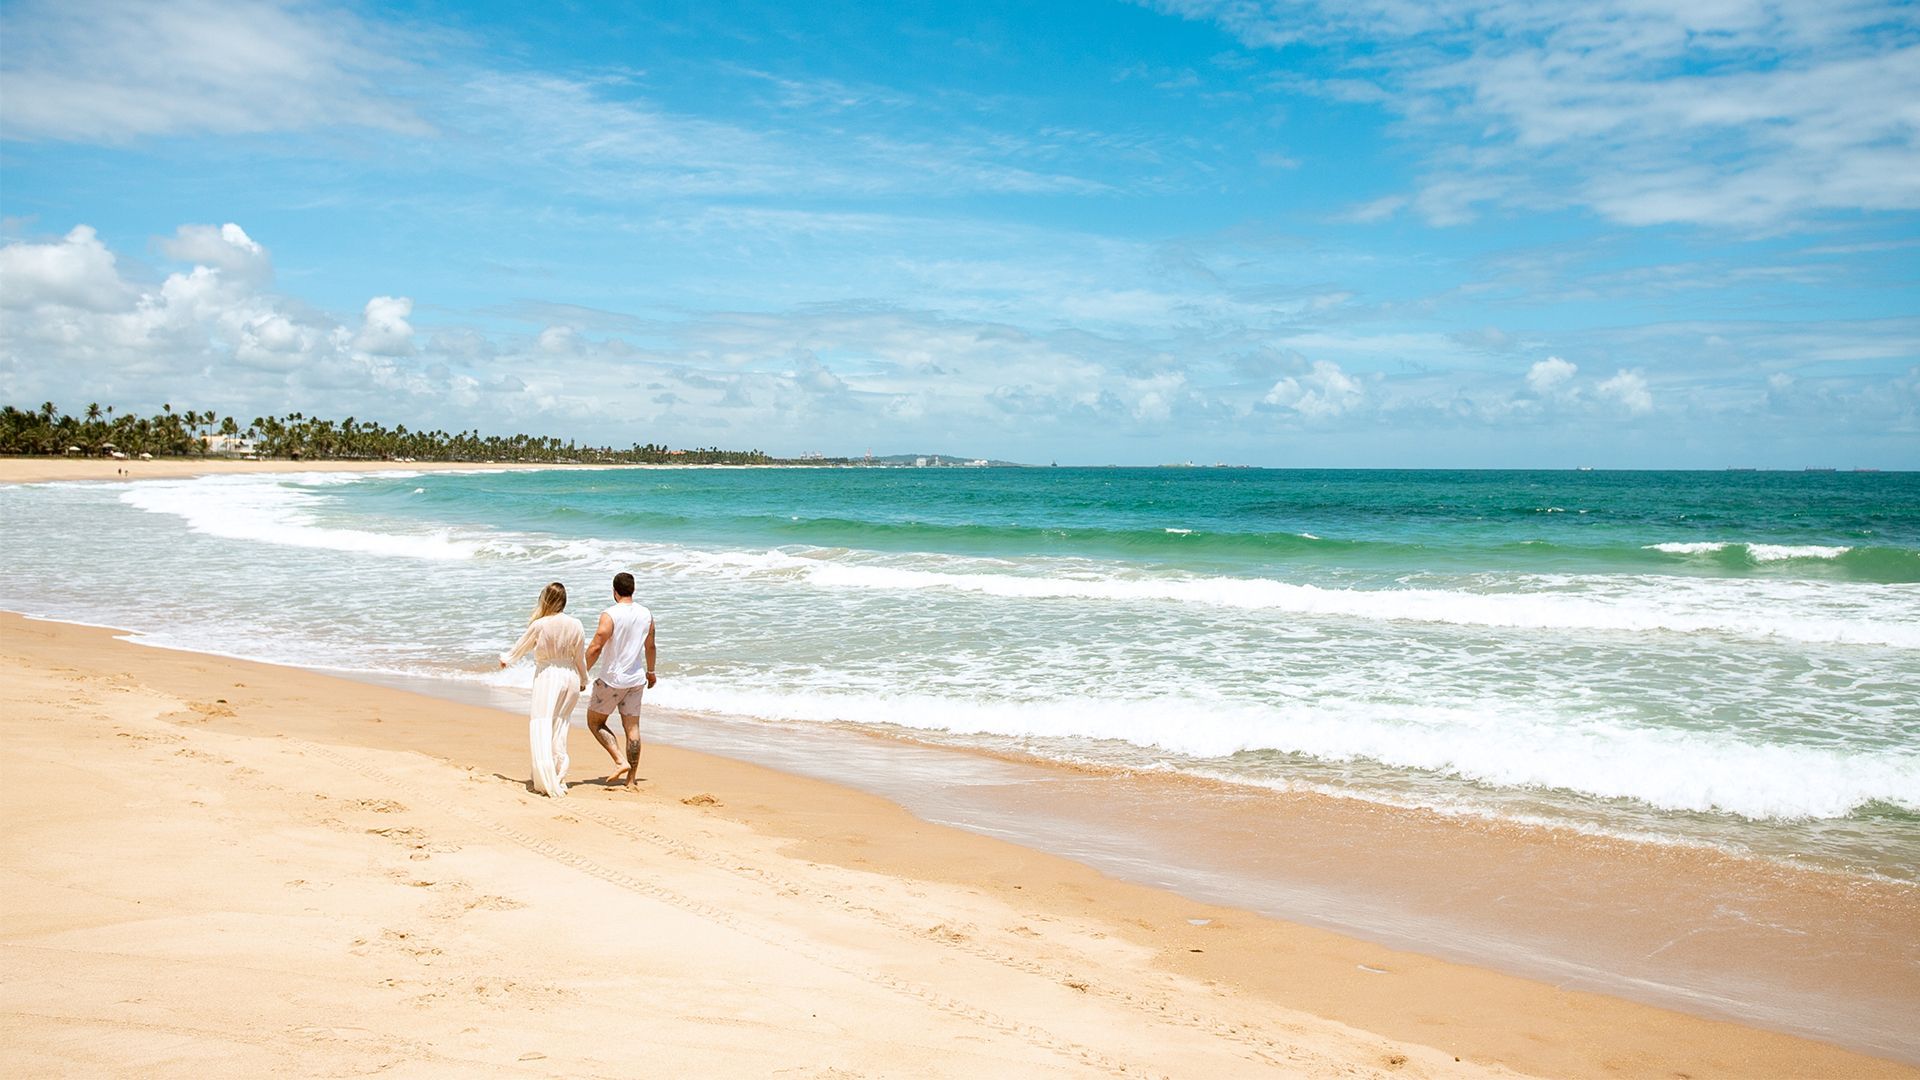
[{"x": 623, "y": 662}]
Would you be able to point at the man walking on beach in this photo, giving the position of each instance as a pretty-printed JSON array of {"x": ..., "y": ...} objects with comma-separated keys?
[{"x": 625, "y": 638}]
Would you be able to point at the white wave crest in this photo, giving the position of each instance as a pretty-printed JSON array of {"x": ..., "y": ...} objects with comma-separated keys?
[
  {"x": 1688, "y": 608},
  {"x": 1757, "y": 552},
  {"x": 1777, "y": 552},
  {"x": 285, "y": 510},
  {"x": 1497, "y": 745},
  {"x": 267, "y": 510}
]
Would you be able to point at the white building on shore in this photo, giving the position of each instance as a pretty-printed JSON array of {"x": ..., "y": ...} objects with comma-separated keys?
[{"x": 228, "y": 445}]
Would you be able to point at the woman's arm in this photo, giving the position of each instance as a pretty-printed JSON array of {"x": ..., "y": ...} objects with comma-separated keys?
[
  {"x": 520, "y": 647},
  {"x": 580, "y": 654}
]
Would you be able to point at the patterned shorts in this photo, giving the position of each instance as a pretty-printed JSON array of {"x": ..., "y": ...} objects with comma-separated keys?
[{"x": 607, "y": 700}]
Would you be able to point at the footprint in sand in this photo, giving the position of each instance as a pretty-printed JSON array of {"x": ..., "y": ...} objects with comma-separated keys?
[
  {"x": 410, "y": 943},
  {"x": 416, "y": 840},
  {"x": 404, "y": 834}
]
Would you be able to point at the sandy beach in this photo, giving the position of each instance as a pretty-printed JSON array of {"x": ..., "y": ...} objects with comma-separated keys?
[
  {"x": 221, "y": 867},
  {"x": 34, "y": 470}
]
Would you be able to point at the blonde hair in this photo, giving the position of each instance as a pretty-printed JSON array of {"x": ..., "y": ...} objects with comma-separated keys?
[{"x": 553, "y": 600}]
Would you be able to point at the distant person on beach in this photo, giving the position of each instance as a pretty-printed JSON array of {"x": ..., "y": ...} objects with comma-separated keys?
[
  {"x": 558, "y": 643},
  {"x": 625, "y": 639}
]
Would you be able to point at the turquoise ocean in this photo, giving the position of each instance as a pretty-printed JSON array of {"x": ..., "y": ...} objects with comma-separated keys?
[{"x": 1729, "y": 659}]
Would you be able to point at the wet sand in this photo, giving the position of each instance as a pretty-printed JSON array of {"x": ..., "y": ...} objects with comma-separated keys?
[
  {"x": 221, "y": 866},
  {"x": 1812, "y": 952}
]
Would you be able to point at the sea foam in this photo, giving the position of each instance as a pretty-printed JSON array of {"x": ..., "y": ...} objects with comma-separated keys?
[
  {"x": 1638, "y": 610},
  {"x": 1756, "y": 552},
  {"x": 272, "y": 512},
  {"x": 1493, "y": 744},
  {"x": 286, "y": 510}
]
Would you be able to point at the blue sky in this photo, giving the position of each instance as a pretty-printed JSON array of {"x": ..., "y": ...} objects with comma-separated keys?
[{"x": 1472, "y": 233}]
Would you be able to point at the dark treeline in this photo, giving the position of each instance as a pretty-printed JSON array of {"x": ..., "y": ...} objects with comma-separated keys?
[{"x": 171, "y": 433}]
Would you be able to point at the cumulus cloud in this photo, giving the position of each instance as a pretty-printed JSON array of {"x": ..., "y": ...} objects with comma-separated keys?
[
  {"x": 227, "y": 248},
  {"x": 385, "y": 330},
  {"x": 1156, "y": 395},
  {"x": 1324, "y": 391},
  {"x": 1629, "y": 390},
  {"x": 845, "y": 377},
  {"x": 76, "y": 272},
  {"x": 1550, "y": 375},
  {"x": 559, "y": 341},
  {"x": 206, "y": 332},
  {"x": 810, "y": 374}
]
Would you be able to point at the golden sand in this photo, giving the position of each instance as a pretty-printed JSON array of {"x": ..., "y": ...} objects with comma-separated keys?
[{"x": 215, "y": 867}]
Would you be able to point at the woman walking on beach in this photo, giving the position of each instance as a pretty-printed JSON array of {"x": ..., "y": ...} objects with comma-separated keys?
[{"x": 559, "y": 647}]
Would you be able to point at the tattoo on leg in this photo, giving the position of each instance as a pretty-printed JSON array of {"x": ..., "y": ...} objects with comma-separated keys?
[{"x": 633, "y": 752}]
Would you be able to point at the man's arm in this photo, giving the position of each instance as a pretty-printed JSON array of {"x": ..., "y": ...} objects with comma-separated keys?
[
  {"x": 650, "y": 656},
  {"x": 600, "y": 638}
]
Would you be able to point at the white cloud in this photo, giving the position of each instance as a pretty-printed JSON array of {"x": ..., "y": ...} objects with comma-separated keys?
[
  {"x": 205, "y": 333},
  {"x": 111, "y": 70},
  {"x": 840, "y": 377},
  {"x": 385, "y": 331},
  {"x": 1629, "y": 389},
  {"x": 1373, "y": 210},
  {"x": 1549, "y": 375},
  {"x": 1742, "y": 113},
  {"x": 76, "y": 272},
  {"x": 227, "y": 248},
  {"x": 622, "y": 145},
  {"x": 1324, "y": 391},
  {"x": 1156, "y": 395},
  {"x": 812, "y": 375},
  {"x": 559, "y": 341}
]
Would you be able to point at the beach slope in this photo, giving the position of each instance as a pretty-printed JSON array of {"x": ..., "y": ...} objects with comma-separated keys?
[{"x": 215, "y": 867}]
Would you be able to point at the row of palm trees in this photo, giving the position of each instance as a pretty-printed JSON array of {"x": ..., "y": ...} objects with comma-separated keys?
[{"x": 171, "y": 433}]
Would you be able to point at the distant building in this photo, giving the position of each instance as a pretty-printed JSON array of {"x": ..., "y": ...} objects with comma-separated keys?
[
  {"x": 228, "y": 445},
  {"x": 919, "y": 463}
]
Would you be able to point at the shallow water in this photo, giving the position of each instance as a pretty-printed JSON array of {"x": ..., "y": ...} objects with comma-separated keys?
[{"x": 1714, "y": 658}]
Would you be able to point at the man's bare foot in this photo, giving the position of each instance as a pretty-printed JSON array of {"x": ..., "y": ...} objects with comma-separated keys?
[
  {"x": 631, "y": 785},
  {"x": 617, "y": 777}
]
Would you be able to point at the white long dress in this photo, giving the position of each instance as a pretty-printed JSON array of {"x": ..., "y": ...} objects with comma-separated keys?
[{"x": 559, "y": 648}]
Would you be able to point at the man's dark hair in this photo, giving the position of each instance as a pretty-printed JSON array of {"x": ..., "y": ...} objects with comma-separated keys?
[{"x": 623, "y": 584}]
